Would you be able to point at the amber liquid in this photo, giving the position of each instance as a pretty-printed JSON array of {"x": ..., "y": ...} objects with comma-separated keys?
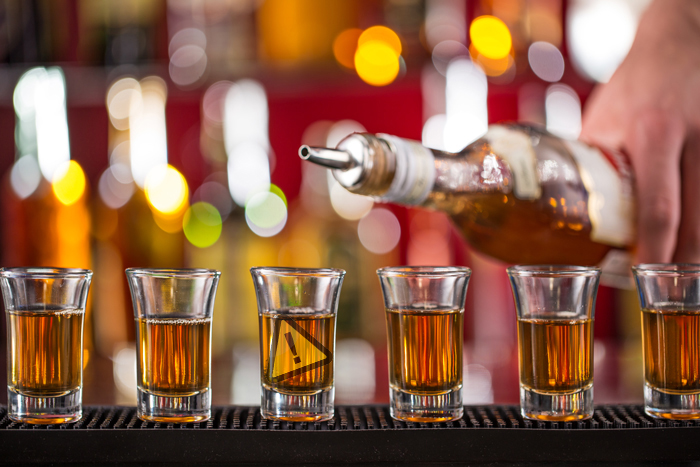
[
  {"x": 552, "y": 229},
  {"x": 671, "y": 342},
  {"x": 174, "y": 356},
  {"x": 46, "y": 348},
  {"x": 278, "y": 359},
  {"x": 555, "y": 355},
  {"x": 425, "y": 350}
]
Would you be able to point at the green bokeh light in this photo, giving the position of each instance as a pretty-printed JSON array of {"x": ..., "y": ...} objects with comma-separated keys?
[
  {"x": 202, "y": 224},
  {"x": 278, "y": 191}
]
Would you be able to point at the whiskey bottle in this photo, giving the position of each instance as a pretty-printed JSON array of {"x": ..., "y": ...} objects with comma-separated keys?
[{"x": 518, "y": 194}]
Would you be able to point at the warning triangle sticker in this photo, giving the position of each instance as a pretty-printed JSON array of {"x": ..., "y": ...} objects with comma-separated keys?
[{"x": 295, "y": 351}]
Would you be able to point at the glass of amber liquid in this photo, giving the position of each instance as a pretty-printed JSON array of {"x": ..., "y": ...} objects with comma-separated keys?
[
  {"x": 45, "y": 308},
  {"x": 425, "y": 321},
  {"x": 669, "y": 295},
  {"x": 555, "y": 307},
  {"x": 173, "y": 313},
  {"x": 297, "y": 310}
]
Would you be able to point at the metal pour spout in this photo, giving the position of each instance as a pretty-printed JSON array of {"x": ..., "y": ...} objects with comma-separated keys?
[{"x": 331, "y": 158}]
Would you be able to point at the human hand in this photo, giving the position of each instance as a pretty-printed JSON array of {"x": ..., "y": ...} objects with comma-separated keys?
[{"x": 651, "y": 110}]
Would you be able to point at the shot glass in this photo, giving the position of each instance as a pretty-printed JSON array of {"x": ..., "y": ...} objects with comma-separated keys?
[
  {"x": 45, "y": 308},
  {"x": 669, "y": 295},
  {"x": 297, "y": 310},
  {"x": 555, "y": 307},
  {"x": 425, "y": 322},
  {"x": 173, "y": 313}
]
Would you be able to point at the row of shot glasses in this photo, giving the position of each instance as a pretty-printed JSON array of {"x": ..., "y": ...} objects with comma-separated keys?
[{"x": 297, "y": 309}]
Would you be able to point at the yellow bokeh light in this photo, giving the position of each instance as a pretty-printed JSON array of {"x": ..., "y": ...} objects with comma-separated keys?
[
  {"x": 166, "y": 190},
  {"x": 69, "y": 183},
  {"x": 381, "y": 34},
  {"x": 345, "y": 45},
  {"x": 491, "y": 37},
  {"x": 376, "y": 63}
]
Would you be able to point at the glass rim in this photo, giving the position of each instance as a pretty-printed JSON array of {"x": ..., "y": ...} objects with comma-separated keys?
[
  {"x": 664, "y": 269},
  {"x": 424, "y": 271},
  {"x": 40, "y": 272},
  {"x": 552, "y": 270},
  {"x": 291, "y": 272},
  {"x": 180, "y": 273}
]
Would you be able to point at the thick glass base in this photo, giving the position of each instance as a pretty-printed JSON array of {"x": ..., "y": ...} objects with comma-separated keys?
[
  {"x": 317, "y": 407},
  {"x": 426, "y": 408},
  {"x": 660, "y": 404},
  {"x": 174, "y": 409},
  {"x": 52, "y": 410},
  {"x": 561, "y": 407}
]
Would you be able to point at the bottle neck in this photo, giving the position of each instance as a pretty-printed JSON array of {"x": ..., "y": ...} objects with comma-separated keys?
[{"x": 398, "y": 170}]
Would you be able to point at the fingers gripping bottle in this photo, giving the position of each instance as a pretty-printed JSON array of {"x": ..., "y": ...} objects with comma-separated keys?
[{"x": 518, "y": 194}]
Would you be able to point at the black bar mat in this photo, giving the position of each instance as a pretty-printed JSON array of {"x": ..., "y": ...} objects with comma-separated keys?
[{"x": 357, "y": 434}]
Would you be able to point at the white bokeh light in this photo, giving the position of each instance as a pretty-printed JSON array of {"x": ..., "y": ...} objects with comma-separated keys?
[
  {"x": 149, "y": 145},
  {"x": 266, "y": 214},
  {"x": 349, "y": 205},
  {"x": 563, "y": 111},
  {"x": 248, "y": 172},
  {"x": 379, "y": 231},
  {"x": 546, "y": 61},
  {"x": 25, "y": 176},
  {"x": 600, "y": 33},
  {"x": 113, "y": 192},
  {"x": 466, "y": 111}
]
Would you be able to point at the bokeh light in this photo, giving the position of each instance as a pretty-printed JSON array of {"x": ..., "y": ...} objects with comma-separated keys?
[
  {"x": 379, "y": 231},
  {"x": 216, "y": 194},
  {"x": 278, "y": 191},
  {"x": 491, "y": 37},
  {"x": 114, "y": 192},
  {"x": 39, "y": 100},
  {"x": 25, "y": 176},
  {"x": 377, "y": 59},
  {"x": 349, "y": 205},
  {"x": 246, "y": 115},
  {"x": 166, "y": 190},
  {"x": 202, "y": 224},
  {"x": 446, "y": 51},
  {"x": 466, "y": 112},
  {"x": 445, "y": 20},
  {"x": 599, "y": 34},
  {"x": 546, "y": 61},
  {"x": 266, "y": 214},
  {"x": 148, "y": 137},
  {"x": 248, "y": 172},
  {"x": 377, "y": 63},
  {"x": 381, "y": 34},
  {"x": 123, "y": 97},
  {"x": 496, "y": 67},
  {"x": 340, "y": 130},
  {"x": 563, "y": 111},
  {"x": 69, "y": 183},
  {"x": 433, "y": 135},
  {"x": 188, "y": 57},
  {"x": 345, "y": 45}
]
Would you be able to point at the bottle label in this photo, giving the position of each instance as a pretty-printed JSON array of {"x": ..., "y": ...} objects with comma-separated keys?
[
  {"x": 515, "y": 147},
  {"x": 608, "y": 180},
  {"x": 415, "y": 171}
]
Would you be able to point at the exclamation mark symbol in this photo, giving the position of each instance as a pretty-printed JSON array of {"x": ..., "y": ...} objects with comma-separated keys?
[{"x": 290, "y": 341}]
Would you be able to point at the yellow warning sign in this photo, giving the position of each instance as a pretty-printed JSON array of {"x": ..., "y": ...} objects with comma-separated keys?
[{"x": 295, "y": 351}]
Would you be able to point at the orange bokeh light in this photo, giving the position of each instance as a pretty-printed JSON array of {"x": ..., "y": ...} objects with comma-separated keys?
[
  {"x": 381, "y": 34},
  {"x": 345, "y": 46}
]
